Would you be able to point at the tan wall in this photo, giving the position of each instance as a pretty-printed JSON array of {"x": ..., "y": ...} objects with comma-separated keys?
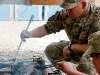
[
  {"x": 97, "y": 2},
  {"x": 92, "y": 1}
]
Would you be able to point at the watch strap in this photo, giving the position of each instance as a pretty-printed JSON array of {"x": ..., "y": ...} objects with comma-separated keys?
[{"x": 69, "y": 47}]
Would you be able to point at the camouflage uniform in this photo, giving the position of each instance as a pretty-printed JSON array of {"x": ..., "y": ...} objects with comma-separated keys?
[
  {"x": 94, "y": 44},
  {"x": 77, "y": 31}
]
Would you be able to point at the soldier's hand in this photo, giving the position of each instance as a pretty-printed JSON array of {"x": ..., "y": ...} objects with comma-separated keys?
[
  {"x": 66, "y": 51},
  {"x": 64, "y": 66},
  {"x": 24, "y": 34}
]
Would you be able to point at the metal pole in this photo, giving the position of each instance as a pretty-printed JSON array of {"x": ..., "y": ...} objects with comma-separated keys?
[{"x": 22, "y": 40}]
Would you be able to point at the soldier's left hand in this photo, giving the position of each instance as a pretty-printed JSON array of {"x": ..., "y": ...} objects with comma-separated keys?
[{"x": 66, "y": 51}]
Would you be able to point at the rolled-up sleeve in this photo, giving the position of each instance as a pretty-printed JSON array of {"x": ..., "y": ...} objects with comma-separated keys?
[
  {"x": 95, "y": 26},
  {"x": 55, "y": 23}
]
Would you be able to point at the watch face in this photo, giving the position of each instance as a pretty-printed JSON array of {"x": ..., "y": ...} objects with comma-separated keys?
[{"x": 69, "y": 46}]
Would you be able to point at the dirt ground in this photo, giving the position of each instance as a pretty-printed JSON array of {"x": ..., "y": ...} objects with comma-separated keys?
[{"x": 10, "y": 40}]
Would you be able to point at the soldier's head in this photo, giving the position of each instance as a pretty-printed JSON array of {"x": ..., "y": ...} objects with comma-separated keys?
[
  {"x": 94, "y": 49},
  {"x": 94, "y": 44},
  {"x": 75, "y": 8}
]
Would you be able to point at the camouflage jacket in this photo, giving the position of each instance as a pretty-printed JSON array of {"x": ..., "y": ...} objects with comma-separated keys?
[{"x": 78, "y": 29}]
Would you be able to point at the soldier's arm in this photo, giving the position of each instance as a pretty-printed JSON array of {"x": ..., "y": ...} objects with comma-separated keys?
[
  {"x": 80, "y": 47},
  {"x": 95, "y": 26},
  {"x": 38, "y": 32},
  {"x": 53, "y": 25},
  {"x": 67, "y": 68}
]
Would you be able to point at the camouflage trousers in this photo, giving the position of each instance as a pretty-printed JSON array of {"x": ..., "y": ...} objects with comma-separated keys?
[{"x": 54, "y": 53}]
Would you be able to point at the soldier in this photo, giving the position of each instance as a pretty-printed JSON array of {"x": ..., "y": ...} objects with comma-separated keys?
[
  {"x": 79, "y": 19},
  {"x": 93, "y": 52}
]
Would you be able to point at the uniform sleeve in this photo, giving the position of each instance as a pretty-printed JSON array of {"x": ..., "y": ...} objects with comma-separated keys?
[
  {"x": 55, "y": 22},
  {"x": 96, "y": 24}
]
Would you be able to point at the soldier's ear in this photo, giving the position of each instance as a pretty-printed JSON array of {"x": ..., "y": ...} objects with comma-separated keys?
[{"x": 84, "y": 4}]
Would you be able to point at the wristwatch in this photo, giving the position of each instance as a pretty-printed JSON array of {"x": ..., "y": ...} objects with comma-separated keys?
[{"x": 69, "y": 47}]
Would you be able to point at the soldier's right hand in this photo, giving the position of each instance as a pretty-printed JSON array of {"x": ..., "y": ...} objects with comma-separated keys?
[
  {"x": 24, "y": 34},
  {"x": 66, "y": 67}
]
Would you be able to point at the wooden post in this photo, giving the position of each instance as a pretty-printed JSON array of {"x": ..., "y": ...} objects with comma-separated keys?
[
  {"x": 46, "y": 2},
  {"x": 52, "y": 2},
  {"x": 36, "y": 2}
]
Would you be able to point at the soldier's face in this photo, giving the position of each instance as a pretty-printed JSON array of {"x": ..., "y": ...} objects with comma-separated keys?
[
  {"x": 96, "y": 62},
  {"x": 76, "y": 12}
]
